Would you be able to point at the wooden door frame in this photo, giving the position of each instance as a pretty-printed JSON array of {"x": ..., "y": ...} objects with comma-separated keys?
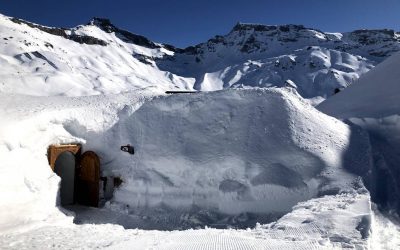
[{"x": 55, "y": 150}]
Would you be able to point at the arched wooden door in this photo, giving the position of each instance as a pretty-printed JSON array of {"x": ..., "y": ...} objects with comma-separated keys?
[{"x": 88, "y": 175}]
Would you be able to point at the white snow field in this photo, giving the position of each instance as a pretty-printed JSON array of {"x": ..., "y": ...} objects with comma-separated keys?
[{"x": 261, "y": 163}]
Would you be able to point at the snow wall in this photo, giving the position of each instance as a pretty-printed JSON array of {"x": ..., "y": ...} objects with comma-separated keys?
[
  {"x": 258, "y": 151},
  {"x": 231, "y": 151},
  {"x": 372, "y": 103}
]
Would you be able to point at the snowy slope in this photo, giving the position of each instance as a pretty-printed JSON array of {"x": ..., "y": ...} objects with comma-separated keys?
[
  {"x": 262, "y": 55},
  {"x": 375, "y": 95},
  {"x": 36, "y": 62},
  {"x": 99, "y": 58}
]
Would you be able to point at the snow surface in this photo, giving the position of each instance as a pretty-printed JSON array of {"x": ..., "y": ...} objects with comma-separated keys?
[
  {"x": 262, "y": 149},
  {"x": 374, "y": 95},
  {"x": 227, "y": 158},
  {"x": 373, "y": 104},
  {"x": 35, "y": 62},
  {"x": 332, "y": 222}
]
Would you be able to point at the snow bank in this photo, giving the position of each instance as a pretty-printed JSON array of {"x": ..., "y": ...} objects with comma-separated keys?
[
  {"x": 373, "y": 104},
  {"x": 28, "y": 126},
  {"x": 374, "y": 95},
  {"x": 259, "y": 151},
  {"x": 256, "y": 151}
]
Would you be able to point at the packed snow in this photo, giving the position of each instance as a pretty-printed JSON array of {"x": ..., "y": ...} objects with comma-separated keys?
[
  {"x": 261, "y": 164},
  {"x": 373, "y": 104},
  {"x": 181, "y": 146}
]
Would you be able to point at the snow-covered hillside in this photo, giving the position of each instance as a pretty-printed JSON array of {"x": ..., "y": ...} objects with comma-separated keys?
[
  {"x": 86, "y": 60},
  {"x": 260, "y": 55},
  {"x": 100, "y": 58}
]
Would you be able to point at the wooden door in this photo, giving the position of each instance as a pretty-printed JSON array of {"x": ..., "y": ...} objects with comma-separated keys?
[{"x": 88, "y": 176}]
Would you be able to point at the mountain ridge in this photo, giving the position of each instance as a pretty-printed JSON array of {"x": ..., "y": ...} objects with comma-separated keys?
[{"x": 111, "y": 60}]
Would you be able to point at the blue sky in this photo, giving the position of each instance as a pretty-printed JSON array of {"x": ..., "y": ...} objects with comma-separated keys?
[{"x": 182, "y": 23}]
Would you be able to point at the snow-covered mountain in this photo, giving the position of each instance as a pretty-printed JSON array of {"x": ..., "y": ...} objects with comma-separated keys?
[
  {"x": 261, "y": 55},
  {"x": 85, "y": 60},
  {"x": 100, "y": 58}
]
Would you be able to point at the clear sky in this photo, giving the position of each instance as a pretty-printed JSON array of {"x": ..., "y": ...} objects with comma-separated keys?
[{"x": 188, "y": 22}]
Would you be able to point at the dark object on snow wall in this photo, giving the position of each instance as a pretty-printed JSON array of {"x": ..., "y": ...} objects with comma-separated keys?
[
  {"x": 180, "y": 92},
  {"x": 128, "y": 148}
]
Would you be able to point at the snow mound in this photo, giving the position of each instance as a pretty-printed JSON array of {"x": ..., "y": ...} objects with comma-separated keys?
[
  {"x": 376, "y": 94},
  {"x": 373, "y": 104},
  {"x": 259, "y": 151}
]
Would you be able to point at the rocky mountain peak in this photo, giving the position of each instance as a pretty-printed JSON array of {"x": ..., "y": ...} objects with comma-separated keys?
[
  {"x": 126, "y": 36},
  {"x": 268, "y": 28},
  {"x": 103, "y": 23},
  {"x": 368, "y": 37}
]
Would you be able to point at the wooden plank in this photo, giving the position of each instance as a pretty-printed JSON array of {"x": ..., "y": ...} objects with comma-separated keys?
[{"x": 181, "y": 92}]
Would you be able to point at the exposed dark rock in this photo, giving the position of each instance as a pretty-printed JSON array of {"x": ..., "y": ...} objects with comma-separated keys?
[
  {"x": 62, "y": 32},
  {"x": 255, "y": 27},
  {"x": 193, "y": 50},
  {"x": 368, "y": 37},
  {"x": 250, "y": 45},
  {"x": 172, "y": 48},
  {"x": 86, "y": 40},
  {"x": 49, "y": 45},
  {"x": 126, "y": 36},
  {"x": 218, "y": 39},
  {"x": 144, "y": 59}
]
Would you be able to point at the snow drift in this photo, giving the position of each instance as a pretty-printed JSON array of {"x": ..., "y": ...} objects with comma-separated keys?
[
  {"x": 373, "y": 103},
  {"x": 258, "y": 151},
  {"x": 375, "y": 94}
]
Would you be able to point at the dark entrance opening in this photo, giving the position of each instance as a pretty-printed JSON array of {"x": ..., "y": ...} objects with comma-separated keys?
[
  {"x": 65, "y": 169},
  {"x": 79, "y": 173}
]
